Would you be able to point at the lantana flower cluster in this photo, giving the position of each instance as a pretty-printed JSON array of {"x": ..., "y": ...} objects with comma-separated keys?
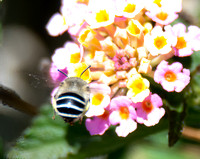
[{"x": 124, "y": 41}]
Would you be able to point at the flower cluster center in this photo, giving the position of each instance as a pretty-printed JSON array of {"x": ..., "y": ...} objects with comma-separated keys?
[{"x": 122, "y": 61}]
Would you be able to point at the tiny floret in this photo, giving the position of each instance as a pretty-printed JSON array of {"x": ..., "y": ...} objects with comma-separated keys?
[
  {"x": 172, "y": 77},
  {"x": 123, "y": 113}
]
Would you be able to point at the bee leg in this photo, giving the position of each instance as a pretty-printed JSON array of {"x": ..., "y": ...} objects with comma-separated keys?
[
  {"x": 54, "y": 115},
  {"x": 80, "y": 120}
]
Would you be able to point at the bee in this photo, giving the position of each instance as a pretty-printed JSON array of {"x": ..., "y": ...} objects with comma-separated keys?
[{"x": 71, "y": 100}]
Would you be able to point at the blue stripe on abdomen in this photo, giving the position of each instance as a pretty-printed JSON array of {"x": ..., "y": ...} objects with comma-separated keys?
[
  {"x": 74, "y": 100},
  {"x": 72, "y": 94},
  {"x": 69, "y": 111}
]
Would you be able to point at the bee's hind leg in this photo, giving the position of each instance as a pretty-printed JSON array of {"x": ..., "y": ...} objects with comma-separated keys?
[
  {"x": 80, "y": 120},
  {"x": 54, "y": 115}
]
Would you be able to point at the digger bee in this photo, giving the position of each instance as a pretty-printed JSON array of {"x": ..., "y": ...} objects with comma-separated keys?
[{"x": 71, "y": 100}]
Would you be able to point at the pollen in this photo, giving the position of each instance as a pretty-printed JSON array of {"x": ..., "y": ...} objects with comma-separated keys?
[
  {"x": 162, "y": 16},
  {"x": 181, "y": 43},
  {"x": 75, "y": 58},
  {"x": 124, "y": 112},
  {"x": 170, "y": 76},
  {"x": 102, "y": 16},
  {"x": 160, "y": 42},
  {"x": 97, "y": 99},
  {"x": 147, "y": 106},
  {"x": 130, "y": 8}
]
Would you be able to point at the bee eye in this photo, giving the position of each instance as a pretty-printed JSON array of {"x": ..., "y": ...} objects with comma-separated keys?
[{"x": 61, "y": 83}]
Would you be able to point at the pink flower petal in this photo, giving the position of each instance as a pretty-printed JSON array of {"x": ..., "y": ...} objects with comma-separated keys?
[
  {"x": 141, "y": 116},
  {"x": 120, "y": 101},
  {"x": 125, "y": 128},
  {"x": 176, "y": 67},
  {"x": 56, "y": 25},
  {"x": 179, "y": 29},
  {"x": 167, "y": 86},
  {"x": 181, "y": 76},
  {"x": 114, "y": 118},
  {"x": 156, "y": 100},
  {"x": 154, "y": 117},
  {"x": 97, "y": 126}
]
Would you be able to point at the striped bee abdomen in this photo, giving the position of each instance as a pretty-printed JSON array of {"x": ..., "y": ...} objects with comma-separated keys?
[{"x": 70, "y": 105}]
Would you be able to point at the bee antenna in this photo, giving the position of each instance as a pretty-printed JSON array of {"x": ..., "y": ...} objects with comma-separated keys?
[
  {"x": 63, "y": 73},
  {"x": 85, "y": 70}
]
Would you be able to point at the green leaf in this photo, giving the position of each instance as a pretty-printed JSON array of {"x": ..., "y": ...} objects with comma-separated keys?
[
  {"x": 179, "y": 20},
  {"x": 193, "y": 117},
  {"x": 175, "y": 125},
  {"x": 48, "y": 138},
  {"x": 91, "y": 146},
  {"x": 1, "y": 149},
  {"x": 44, "y": 140},
  {"x": 195, "y": 60},
  {"x": 193, "y": 97}
]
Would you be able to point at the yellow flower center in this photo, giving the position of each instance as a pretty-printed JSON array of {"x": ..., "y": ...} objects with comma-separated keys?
[
  {"x": 64, "y": 20},
  {"x": 147, "y": 106},
  {"x": 170, "y": 76},
  {"x": 75, "y": 58},
  {"x": 133, "y": 28},
  {"x": 97, "y": 99},
  {"x": 158, "y": 2},
  {"x": 124, "y": 112},
  {"x": 160, "y": 42},
  {"x": 85, "y": 75},
  {"x": 102, "y": 16},
  {"x": 181, "y": 43},
  {"x": 138, "y": 85},
  {"x": 83, "y": 36},
  {"x": 130, "y": 8},
  {"x": 162, "y": 16},
  {"x": 83, "y": 1},
  {"x": 78, "y": 70}
]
